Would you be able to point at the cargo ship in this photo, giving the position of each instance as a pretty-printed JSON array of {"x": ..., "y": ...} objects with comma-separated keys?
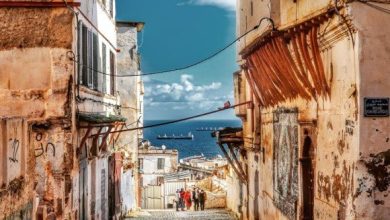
[
  {"x": 179, "y": 137},
  {"x": 207, "y": 129}
]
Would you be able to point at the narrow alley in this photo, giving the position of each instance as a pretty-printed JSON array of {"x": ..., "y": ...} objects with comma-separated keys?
[{"x": 228, "y": 109}]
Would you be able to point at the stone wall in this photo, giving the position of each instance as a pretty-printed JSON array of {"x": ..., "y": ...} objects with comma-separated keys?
[
  {"x": 349, "y": 151},
  {"x": 36, "y": 87}
]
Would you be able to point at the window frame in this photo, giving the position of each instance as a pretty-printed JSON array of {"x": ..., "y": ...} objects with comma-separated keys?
[{"x": 160, "y": 163}]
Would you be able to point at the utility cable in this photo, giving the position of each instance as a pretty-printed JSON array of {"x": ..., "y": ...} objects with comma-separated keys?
[
  {"x": 377, "y": 7},
  {"x": 187, "y": 66},
  {"x": 175, "y": 121}
]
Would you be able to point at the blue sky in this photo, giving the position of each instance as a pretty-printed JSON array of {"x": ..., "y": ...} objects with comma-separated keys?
[{"x": 178, "y": 33}]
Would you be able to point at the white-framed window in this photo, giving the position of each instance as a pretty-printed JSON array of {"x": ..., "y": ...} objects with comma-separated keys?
[{"x": 160, "y": 163}]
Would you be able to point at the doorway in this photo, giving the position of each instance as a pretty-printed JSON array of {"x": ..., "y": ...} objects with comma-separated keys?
[{"x": 307, "y": 177}]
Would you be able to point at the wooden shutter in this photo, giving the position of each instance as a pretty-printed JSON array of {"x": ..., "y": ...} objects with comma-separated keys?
[
  {"x": 90, "y": 59},
  {"x": 95, "y": 54},
  {"x": 84, "y": 55},
  {"x": 160, "y": 163},
  {"x": 112, "y": 73},
  {"x": 104, "y": 67}
]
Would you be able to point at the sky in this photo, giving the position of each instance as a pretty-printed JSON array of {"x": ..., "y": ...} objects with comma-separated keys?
[{"x": 178, "y": 33}]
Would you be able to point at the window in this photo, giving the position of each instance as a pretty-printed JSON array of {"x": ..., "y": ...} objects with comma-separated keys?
[
  {"x": 160, "y": 180},
  {"x": 140, "y": 163},
  {"x": 83, "y": 49},
  {"x": 111, "y": 7},
  {"x": 104, "y": 67},
  {"x": 160, "y": 163},
  {"x": 112, "y": 73},
  {"x": 89, "y": 56},
  {"x": 93, "y": 59}
]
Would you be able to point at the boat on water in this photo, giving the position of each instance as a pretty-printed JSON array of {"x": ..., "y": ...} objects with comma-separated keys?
[
  {"x": 208, "y": 129},
  {"x": 179, "y": 137}
]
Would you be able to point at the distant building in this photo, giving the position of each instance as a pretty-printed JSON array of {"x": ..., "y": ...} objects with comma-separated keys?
[{"x": 154, "y": 163}]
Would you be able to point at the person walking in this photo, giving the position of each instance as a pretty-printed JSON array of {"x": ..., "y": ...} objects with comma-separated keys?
[
  {"x": 187, "y": 199},
  {"x": 195, "y": 198},
  {"x": 181, "y": 200},
  {"x": 177, "y": 200},
  {"x": 202, "y": 199}
]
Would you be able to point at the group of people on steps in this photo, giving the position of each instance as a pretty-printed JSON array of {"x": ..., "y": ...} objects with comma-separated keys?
[{"x": 187, "y": 198}]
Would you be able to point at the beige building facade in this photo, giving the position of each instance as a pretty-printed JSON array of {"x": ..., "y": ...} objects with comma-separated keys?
[
  {"x": 315, "y": 142},
  {"x": 60, "y": 97}
]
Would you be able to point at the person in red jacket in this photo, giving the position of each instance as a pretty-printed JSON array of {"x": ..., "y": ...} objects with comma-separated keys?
[
  {"x": 182, "y": 199},
  {"x": 187, "y": 199}
]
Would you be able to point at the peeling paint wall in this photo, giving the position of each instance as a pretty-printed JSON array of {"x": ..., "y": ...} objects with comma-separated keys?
[
  {"x": 350, "y": 157},
  {"x": 130, "y": 91},
  {"x": 36, "y": 79}
]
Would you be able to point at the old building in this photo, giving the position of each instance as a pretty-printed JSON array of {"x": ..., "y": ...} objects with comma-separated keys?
[
  {"x": 130, "y": 90},
  {"x": 60, "y": 99},
  {"x": 154, "y": 164},
  {"x": 315, "y": 142}
]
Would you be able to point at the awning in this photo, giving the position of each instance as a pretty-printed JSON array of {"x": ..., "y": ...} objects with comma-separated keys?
[
  {"x": 233, "y": 139},
  {"x": 94, "y": 120},
  {"x": 287, "y": 64}
]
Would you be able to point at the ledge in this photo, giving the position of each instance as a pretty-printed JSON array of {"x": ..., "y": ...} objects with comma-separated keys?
[{"x": 30, "y": 4}]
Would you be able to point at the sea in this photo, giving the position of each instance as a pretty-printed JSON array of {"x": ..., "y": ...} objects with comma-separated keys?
[{"x": 202, "y": 143}]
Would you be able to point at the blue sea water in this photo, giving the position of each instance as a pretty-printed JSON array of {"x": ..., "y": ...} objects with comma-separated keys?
[{"x": 202, "y": 142}]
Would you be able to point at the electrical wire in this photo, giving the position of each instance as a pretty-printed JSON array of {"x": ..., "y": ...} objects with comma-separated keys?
[
  {"x": 377, "y": 7},
  {"x": 184, "y": 67},
  {"x": 174, "y": 121}
]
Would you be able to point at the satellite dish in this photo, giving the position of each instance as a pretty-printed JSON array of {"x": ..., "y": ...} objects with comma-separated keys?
[{"x": 164, "y": 147}]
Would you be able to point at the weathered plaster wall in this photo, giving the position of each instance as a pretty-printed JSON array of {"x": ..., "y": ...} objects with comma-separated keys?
[
  {"x": 350, "y": 151},
  {"x": 44, "y": 27},
  {"x": 36, "y": 80},
  {"x": 129, "y": 89},
  {"x": 373, "y": 176}
]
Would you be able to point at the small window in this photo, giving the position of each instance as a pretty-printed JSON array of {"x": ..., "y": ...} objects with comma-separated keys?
[
  {"x": 140, "y": 163},
  {"x": 112, "y": 73},
  {"x": 104, "y": 68},
  {"x": 160, "y": 163},
  {"x": 160, "y": 180},
  {"x": 95, "y": 62}
]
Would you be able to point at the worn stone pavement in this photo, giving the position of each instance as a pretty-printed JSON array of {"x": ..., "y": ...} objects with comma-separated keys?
[{"x": 218, "y": 214}]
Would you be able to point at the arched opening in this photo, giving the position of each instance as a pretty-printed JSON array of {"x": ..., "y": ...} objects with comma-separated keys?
[{"x": 307, "y": 177}]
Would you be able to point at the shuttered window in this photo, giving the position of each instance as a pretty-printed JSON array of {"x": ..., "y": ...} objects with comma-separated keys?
[
  {"x": 95, "y": 62},
  {"x": 84, "y": 55},
  {"x": 112, "y": 73},
  {"x": 140, "y": 163},
  {"x": 104, "y": 68},
  {"x": 160, "y": 163},
  {"x": 90, "y": 59}
]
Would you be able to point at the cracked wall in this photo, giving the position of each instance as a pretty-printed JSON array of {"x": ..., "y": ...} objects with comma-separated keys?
[
  {"x": 351, "y": 151},
  {"x": 36, "y": 88}
]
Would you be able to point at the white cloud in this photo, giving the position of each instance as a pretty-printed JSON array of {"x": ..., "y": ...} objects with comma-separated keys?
[
  {"x": 183, "y": 92},
  {"x": 225, "y": 4}
]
